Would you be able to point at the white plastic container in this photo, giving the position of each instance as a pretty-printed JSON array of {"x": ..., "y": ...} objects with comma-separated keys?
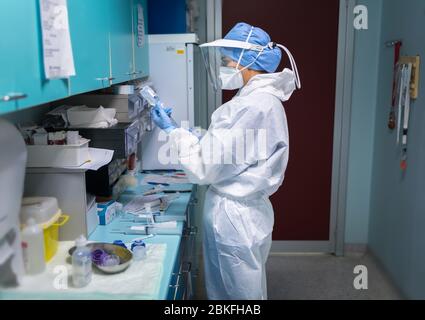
[
  {"x": 41, "y": 209},
  {"x": 33, "y": 248},
  {"x": 70, "y": 155},
  {"x": 49, "y": 217},
  {"x": 81, "y": 264}
]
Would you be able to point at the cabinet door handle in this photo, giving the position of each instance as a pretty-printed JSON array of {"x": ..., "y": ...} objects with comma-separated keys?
[
  {"x": 189, "y": 268},
  {"x": 134, "y": 73},
  {"x": 190, "y": 231},
  {"x": 13, "y": 97},
  {"x": 105, "y": 79}
]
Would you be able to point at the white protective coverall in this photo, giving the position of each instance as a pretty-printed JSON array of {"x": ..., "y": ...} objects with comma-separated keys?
[{"x": 238, "y": 216}]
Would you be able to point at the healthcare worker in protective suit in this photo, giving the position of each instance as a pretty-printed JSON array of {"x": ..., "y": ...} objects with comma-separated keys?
[{"x": 242, "y": 157}]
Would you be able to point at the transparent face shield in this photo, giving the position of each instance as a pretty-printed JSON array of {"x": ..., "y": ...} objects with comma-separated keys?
[{"x": 223, "y": 54}]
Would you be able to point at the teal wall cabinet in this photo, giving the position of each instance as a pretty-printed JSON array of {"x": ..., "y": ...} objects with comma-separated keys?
[
  {"x": 121, "y": 37},
  {"x": 89, "y": 25},
  {"x": 105, "y": 45},
  {"x": 140, "y": 39},
  {"x": 22, "y": 80}
]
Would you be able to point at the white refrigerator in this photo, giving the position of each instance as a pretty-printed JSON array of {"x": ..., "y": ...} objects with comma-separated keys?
[{"x": 172, "y": 67}]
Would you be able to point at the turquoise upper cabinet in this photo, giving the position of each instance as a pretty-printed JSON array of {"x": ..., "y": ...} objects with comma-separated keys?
[
  {"x": 89, "y": 26},
  {"x": 22, "y": 80},
  {"x": 121, "y": 40},
  {"x": 140, "y": 38},
  {"x": 106, "y": 45},
  {"x": 8, "y": 88}
]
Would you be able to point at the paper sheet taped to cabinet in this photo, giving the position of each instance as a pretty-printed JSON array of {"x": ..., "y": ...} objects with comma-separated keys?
[{"x": 57, "y": 48}]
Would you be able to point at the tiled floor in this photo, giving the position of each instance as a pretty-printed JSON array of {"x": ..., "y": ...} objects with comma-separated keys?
[
  {"x": 320, "y": 276},
  {"x": 326, "y": 277}
]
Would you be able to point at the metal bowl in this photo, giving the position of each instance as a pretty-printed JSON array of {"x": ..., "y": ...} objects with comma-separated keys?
[{"x": 124, "y": 254}]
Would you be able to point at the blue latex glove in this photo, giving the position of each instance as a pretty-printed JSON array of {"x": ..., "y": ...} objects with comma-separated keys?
[
  {"x": 168, "y": 111},
  {"x": 162, "y": 119}
]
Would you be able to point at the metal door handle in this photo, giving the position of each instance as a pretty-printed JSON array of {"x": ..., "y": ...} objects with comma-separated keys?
[
  {"x": 13, "y": 97},
  {"x": 134, "y": 73},
  {"x": 105, "y": 79}
]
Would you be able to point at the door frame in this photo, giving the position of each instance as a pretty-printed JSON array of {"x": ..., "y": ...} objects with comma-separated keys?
[
  {"x": 341, "y": 142},
  {"x": 214, "y": 31}
]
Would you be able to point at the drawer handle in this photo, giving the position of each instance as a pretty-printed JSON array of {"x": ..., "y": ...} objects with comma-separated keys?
[
  {"x": 174, "y": 285},
  {"x": 13, "y": 97},
  {"x": 189, "y": 270},
  {"x": 191, "y": 231}
]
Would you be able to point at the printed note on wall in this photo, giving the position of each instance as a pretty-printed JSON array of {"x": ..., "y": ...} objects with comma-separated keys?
[{"x": 57, "y": 47}]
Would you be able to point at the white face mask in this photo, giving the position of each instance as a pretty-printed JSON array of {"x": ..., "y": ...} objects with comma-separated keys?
[{"x": 231, "y": 78}]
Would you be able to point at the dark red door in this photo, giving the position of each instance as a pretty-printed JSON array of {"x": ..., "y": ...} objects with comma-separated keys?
[{"x": 310, "y": 30}]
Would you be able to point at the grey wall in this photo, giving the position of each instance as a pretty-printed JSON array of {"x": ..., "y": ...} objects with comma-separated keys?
[
  {"x": 397, "y": 211},
  {"x": 364, "y": 96}
]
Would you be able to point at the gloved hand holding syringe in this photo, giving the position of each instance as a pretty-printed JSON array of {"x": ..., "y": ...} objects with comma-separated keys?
[{"x": 152, "y": 98}]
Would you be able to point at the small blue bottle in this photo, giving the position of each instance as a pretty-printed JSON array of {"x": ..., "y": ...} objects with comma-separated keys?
[
  {"x": 120, "y": 243},
  {"x": 138, "y": 247}
]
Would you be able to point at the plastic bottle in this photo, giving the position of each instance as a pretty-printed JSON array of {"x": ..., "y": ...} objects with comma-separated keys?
[
  {"x": 152, "y": 98},
  {"x": 139, "y": 250},
  {"x": 149, "y": 95},
  {"x": 120, "y": 243},
  {"x": 33, "y": 248},
  {"x": 81, "y": 263}
]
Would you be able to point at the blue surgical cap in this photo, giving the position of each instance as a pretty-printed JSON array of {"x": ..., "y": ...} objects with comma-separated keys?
[{"x": 268, "y": 61}]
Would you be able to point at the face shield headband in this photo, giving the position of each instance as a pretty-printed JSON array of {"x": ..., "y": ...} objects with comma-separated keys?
[{"x": 245, "y": 45}]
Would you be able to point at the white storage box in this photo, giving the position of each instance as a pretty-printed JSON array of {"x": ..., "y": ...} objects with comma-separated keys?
[
  {"x": 128, "y": 107},
  {"x": 58, "y": 156}
]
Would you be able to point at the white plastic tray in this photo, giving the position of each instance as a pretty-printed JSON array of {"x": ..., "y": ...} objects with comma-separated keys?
[{"x": 71, "y": 155}]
